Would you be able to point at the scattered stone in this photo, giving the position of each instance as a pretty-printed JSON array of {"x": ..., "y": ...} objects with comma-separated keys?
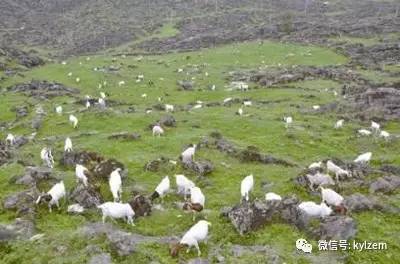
[
  {"x": 125, "y": 136},
  {"x": 198, "y": 261},
  {"x": 186, "y": 85},
  {"x": 161, "y": 163}
]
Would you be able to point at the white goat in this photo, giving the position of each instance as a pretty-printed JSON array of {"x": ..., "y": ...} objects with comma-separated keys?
[
  {"x": 59, "y": 109},
  {"x": 117, "y": 210},
  {"x": 196, "y": 234},
  {"x": 364, "y": 132},
  {"x": 384, "y": 134},
  {"x": 319, "y": 179},
  {"x": 315, "y": 210},
  {"x": 81, "y": 173},
  {"x": 272, "y": 197},
  {"x": 73, "y": 120},
  {"x": 53, "y": 196},
  {"x": 332, "y": 167},
  {"x": 188, "y": 154},
  {"x": 169, "y": 108},
  {"x": 364, "y": 158},
  {"x": 339, "y": 124},
  {"x": 315, "y": 165},
  {"x": 116, "y": 184},
  {"x": 183, "y": 184},
  {"x": 375, "y": 126},
  {"x": 120, "y": 83},
  {"x": 331, "y": 197},
  {"x": 288, "y": 121},
  {"x": 158, "y": 130},
  {"x": 246, "y": 186},
  {"x": 68, "y": 145},
  {"x": 10, "y": 139},
  {"x": 161, "y": 189},
  {"x": 47, "y": 157}
]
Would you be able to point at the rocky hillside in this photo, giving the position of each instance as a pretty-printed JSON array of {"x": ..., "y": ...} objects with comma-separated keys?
[{"x": 81, "y": 26}]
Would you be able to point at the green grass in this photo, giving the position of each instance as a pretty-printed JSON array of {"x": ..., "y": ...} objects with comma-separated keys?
[{"x": 312, "y": 138}]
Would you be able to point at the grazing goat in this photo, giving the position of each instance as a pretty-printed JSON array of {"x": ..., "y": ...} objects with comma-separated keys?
[
  {"x": 158, "y": 130},
  {"x": 161, "y": 189},
  {"x": 196, "y": 234},
  {"x": 117, "y": 210},
  {"x": 197, "y": 200},
  {"x": 332, "y": 167},
  {"x": 319, "y": 179},
  {"x": 315, "y": 210},
  {"x": 53, "y": 196}
]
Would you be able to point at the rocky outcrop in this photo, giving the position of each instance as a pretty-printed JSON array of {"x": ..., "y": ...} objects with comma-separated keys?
[
  {"x": 22, "y": 202},
  {"x": 88, "y": 197},
  {"x": 43, "y": 89}
]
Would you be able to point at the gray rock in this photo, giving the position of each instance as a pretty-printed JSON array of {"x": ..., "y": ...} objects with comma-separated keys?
[
  {"x": 124, "y": 243},
  {"x": 104, "y": 168},
  {"x": 186, "y": 85},
  {"x": 103, "y": 258},
  {"x": 20, "y": 229},
  {"x": 88, "y": 197},
  {"x": 168, "y": 121},
  {"x": 23, "y": 202},
  {"x": 141, "y": 205},
  {"x": 198, "y": 261},
  {"x": 385, "y": 184},
  {"x": 337, "y": 227},
  {"x": 201, "y": 168},
  {"x": 34, "y": 174}
]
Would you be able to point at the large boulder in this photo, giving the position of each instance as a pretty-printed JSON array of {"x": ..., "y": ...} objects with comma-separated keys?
[
  {"x": 86, "y": 158},
  {"x": 168, "y": 121},
  {"x": 103, "y": 258},
  {"x": 186, "y": 85},
  {"x": 247, "y": 217},
  {"x": 141, "y": 205},
  {"x": 201, "y": 167},
  {"x": 124, "y": 243},
  {"x": 88, "y": 197},
  {"x": 385, "y": 184},
  {"x": 104, "y": 168},
  {"x": 337, "y": 227},
  {"x": 43, "y": 89},
  {"x": 22, "y": 202},
  {"x": 20, "y": 229},
  {"x": 34, "y": 174}
]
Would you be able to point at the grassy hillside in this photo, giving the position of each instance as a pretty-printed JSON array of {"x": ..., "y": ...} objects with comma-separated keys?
[{"x": 312, "y": 138}]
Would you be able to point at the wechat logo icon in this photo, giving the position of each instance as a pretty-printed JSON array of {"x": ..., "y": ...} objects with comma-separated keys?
[{"x": 302, "y": 244}]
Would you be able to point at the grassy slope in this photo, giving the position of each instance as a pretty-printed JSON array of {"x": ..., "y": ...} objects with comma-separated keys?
[{"x": 311, "y": 139}]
